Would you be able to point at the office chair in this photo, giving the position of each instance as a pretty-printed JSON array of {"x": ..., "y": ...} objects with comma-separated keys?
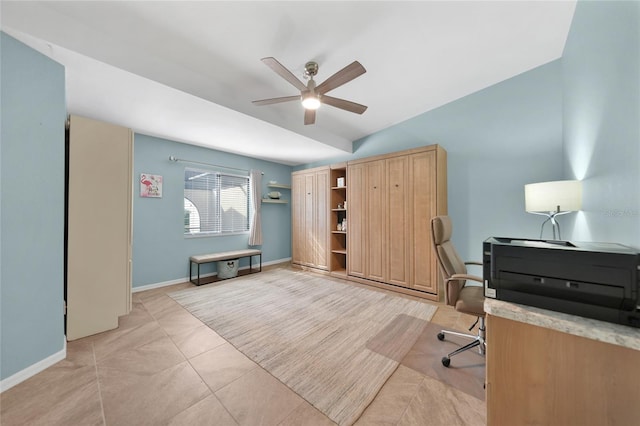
[{"x": 465, "y": 299}]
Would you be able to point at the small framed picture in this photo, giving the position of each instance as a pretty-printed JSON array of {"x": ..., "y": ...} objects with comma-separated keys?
[
  {"x": 340, "y": 181},
  {"x": 150, "y": 185}
]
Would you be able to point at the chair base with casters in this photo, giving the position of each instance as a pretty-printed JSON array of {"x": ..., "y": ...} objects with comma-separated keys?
[{"x": 476, "y": 340}]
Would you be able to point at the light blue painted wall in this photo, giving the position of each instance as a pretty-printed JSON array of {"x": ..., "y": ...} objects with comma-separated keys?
[
  {"x": 33, "y": 113},
  {"x": 601, "y": 75},
  {"x": 497, "y": 140},
  {"x": 160, "y": 249}
]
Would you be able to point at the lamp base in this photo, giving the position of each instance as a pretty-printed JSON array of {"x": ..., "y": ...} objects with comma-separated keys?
[{"x": 555, "y": 226}]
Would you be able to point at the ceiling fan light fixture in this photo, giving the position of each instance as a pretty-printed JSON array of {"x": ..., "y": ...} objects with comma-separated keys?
[
  {"x": 312, "y": 97},
  {"x": 310, "y": 101}
]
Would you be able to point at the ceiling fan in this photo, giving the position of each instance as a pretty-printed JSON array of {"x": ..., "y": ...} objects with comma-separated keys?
[{"x": 313, "y": 96}]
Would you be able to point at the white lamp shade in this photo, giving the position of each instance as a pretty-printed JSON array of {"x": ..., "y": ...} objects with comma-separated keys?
[{"x": 565, "y": 195}]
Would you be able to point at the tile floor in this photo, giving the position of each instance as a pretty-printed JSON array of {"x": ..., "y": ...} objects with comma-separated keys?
[{"x": 162, "y": 366}]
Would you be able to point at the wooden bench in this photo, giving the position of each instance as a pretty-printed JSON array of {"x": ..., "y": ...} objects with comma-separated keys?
[{"x": 226, "y": 255}]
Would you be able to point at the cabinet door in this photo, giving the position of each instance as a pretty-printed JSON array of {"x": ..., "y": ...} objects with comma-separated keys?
[
  {"x": 308, "y": 256},
  {"x": 422, "y": 195},
  {"x": 357, "y": 223},
  {"x": 320, "y": 239},
  {"x": 376, "y": 212},
  {"x": 298, "y": 196},
  {"x": 398, "y": 220},
  {"x": 99, "y": 233}
]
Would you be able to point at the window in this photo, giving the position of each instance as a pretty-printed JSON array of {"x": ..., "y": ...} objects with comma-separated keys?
[{"x": 215, "y": 203}]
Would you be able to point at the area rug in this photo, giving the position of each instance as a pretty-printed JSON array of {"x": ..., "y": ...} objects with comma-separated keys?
[{"x": 332, "y": 343}]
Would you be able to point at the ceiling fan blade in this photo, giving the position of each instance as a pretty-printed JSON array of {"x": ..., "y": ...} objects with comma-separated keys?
[
  {"x": 284, "y": 73},
  {"x": 343, "y": 104},
  {"x": 343, "y": 76},
  {"x": 276, "y": 100},
  {"x": 309, "y": 116}
]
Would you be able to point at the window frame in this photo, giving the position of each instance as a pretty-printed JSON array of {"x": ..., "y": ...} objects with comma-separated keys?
[{"x": 218, "y": 203}]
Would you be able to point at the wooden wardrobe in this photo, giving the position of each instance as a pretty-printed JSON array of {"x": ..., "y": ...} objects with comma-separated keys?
[{"x": 390, "y": 200}]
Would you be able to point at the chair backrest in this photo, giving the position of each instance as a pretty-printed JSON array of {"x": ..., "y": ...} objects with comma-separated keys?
[{"x": 448, "y": 258}]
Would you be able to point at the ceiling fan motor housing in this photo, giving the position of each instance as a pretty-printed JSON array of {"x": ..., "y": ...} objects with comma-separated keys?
[{"x": 311, "y": 69}]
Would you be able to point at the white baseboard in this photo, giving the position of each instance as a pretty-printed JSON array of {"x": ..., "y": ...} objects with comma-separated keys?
[
  {"x": 186, "y": 279},
  {"x": 33, "y": 369}
]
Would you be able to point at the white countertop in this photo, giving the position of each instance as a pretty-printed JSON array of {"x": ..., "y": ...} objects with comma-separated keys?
[{"x": 602, "y": 331}]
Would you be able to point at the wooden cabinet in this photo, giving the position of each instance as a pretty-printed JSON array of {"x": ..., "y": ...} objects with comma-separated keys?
[
  {"x": 99, "y": 236},
  {"x": 310, "y": 195},
  {"x": 392, "y": 199},
  {"x": 540, "y": 376}
]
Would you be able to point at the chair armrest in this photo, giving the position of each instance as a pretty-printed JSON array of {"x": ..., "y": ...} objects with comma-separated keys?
[
  {"x": 472, "y": 262},
  {"x": 460, "y": 277}
]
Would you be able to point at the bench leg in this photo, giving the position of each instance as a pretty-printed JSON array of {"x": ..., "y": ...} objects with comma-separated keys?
[
  {"x": 196, "y": 282},
  {"x": 251, "y": 263}
]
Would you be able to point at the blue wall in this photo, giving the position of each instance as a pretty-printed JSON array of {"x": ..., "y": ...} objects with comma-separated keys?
[
  {"x": 497, "y": 140},
  {"x": 601, "y": 78},
  {"x": 33, "y": 113},
  {"x": 160, "y": 249}
]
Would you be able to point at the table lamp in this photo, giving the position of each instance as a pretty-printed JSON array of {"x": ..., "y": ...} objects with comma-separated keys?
[{"x": 553, "y": 199}]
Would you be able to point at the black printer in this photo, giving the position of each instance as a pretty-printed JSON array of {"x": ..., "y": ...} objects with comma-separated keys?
[{"x": 593, "y": 280}]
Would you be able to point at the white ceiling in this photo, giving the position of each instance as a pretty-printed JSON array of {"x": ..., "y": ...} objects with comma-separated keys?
[{"x": 188, "y": 71}]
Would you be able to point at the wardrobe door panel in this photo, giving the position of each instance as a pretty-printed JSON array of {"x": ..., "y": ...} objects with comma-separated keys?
[
  {"x": 298, "y": 196},
  {"x": 398, "y": 220},
  {"x": 422, "y": 178},
  {"x": 320, "y": 239},
  {"x": 376, "y": 234},
  {"x": 308, "y": 256},
  {"x": 357, "y": 224}
]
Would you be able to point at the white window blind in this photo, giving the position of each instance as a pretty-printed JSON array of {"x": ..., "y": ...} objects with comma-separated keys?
[{"x": 215, "y": 202}]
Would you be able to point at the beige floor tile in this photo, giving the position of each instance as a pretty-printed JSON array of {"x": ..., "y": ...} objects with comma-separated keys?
[
  {"x": 306, "y": 414},
  {"x": 257, "y": 398},
  {"x": 119, "y": 340},
  {"x": 161, "y": 305},
  {"x": 436, "y": 404},
  {"x": 60, "y": 395},
  {"x": 222, "y": 365},
  {"x": 198, "y": 340},
  {"x": 178, "y": 321},
  {"x": 79, "y": 353},
  {"x": 149, "y": 358},
  {"x": 136, "y": 399},
  {"x": 393, "y": 399},
  {"x": 137, "y": 317},
  {"x": 207, "y": 412}
]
